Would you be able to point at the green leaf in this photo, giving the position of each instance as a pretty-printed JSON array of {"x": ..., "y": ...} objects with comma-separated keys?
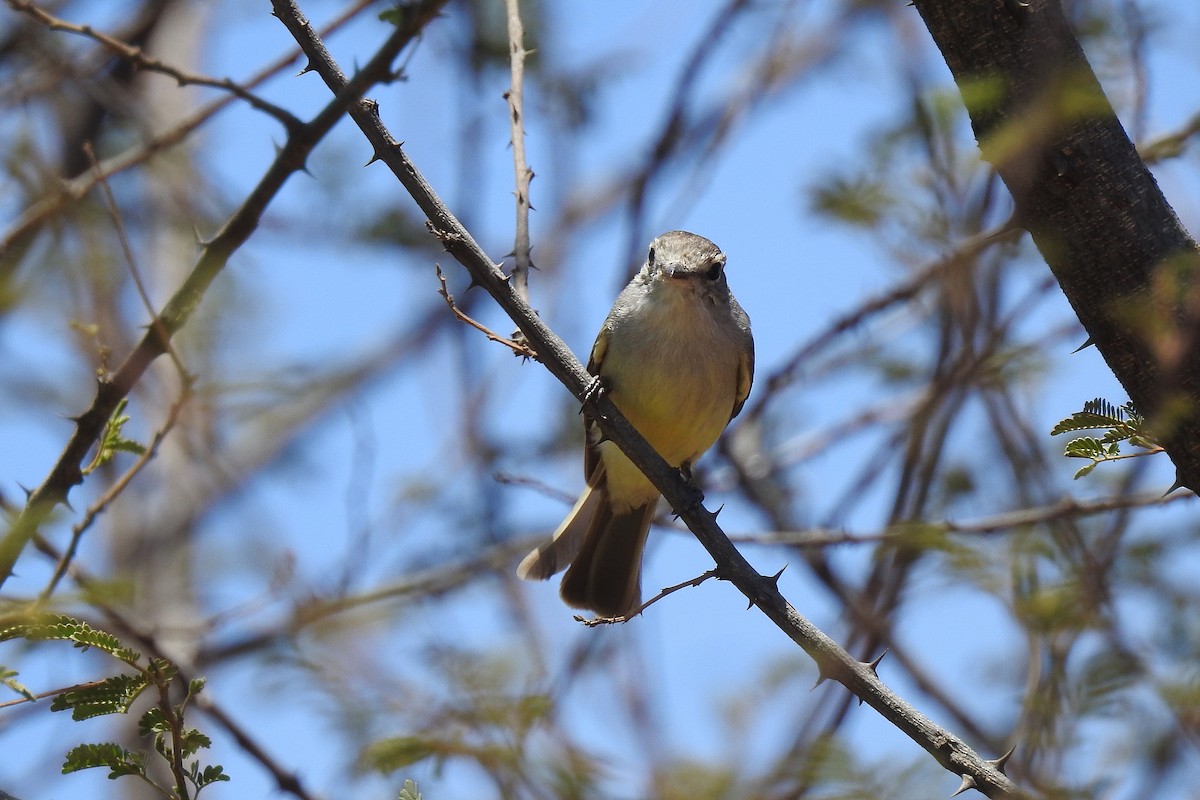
[
  {"x": 193, "y": 741},
  {"x": 110, "y": 696},
  {"x": 113, "y": 441},
  {"x": 1085, "y": 447},
  {"x": 154, "y": 721},
  {"x": 1084, "y": 470},
  {"x": 106, "y": 754},
  {"x": 210, "y": 774},
  {"x": 409, "y": 791},
  {"x": 58, "y": 627}
]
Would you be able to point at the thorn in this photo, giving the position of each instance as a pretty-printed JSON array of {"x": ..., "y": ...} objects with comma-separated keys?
[
  {"x": 774, "y": 579},
  {"x": 967, "y": 783},
  {"x": 1178, "y": 484},
  {"x": 308, "y": 67},
  {"x": 473, "y": 283},
  {"x": 1000, "y": 762},
  {"x": 873, "y": 665},
  {"x": 374, "y": 157},
  {"x": 1083, "y": 346},
  {"x": 28, "y": 492}
]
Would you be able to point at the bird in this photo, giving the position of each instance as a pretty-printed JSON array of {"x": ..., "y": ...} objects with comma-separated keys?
[{"x": 676, "y": 357}]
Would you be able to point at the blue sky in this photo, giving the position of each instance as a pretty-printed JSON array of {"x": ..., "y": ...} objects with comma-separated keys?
[{"x": 314, "y": 300}]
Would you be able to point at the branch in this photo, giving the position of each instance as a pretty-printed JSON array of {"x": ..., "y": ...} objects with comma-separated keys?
[
  {"x": 137, "y": 56},
  {"x": 832, "y": 660},
  {"x": 522, "y": 173},
  {"x": 237, "y": 229},
  {"x": 1126, "y": 264}
]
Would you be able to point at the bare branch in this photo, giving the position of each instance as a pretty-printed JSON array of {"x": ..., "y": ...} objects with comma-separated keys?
[
  {"x": 522, "y": 173},
  {"x": 139, "y": 59}
]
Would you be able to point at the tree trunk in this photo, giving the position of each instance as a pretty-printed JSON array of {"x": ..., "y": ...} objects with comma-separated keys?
[{"x": 1095, "y": 212}]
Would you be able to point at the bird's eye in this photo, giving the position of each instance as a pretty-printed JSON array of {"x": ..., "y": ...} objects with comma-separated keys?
[
  {"x": 650, "y": 257},
  {"x": 714, "y": 272}
]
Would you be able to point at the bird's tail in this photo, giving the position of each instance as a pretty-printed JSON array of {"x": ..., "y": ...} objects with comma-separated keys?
[
  {"x": 606, "y": 574},
  {"x": 554, "y": 555}
]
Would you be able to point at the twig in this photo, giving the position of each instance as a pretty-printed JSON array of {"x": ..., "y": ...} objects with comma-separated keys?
[
  {"x": 522, "y": 173},
  {"x": 1067, "y": 508},
  {"x": 114, "y": 491},
  {"x": 592, "y": 622},
  {"x": 131, "y": 262},
  {"x": 518, "y": 348},
  {"x": 963, "y": 253},
  {"x": 137, "y": 56},
  {"x": 762, "y": 591},
  {"x": 52, "y": 693}
]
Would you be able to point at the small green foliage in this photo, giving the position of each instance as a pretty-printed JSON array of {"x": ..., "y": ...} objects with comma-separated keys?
[
  {"x": 409, "y": 791},
  {"x": 113, "y": 441},
  {"x": 109, "y": 696},
  {"x": 58, "y": 627},
  {"x": 397, "y": 752},
  {"x": 203, "y": 777},
  {"x": 163, "y": 723},
  {"x": 107, "y": 754},
  {"x": 8, "y": 678},
  {"x": 857, "y": 201},
  {"x": 1120, "y": 424}
]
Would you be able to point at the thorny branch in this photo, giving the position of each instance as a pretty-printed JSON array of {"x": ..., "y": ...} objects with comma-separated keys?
[
  {"x": 833, "y": 661},
  {"x": 517, "y": 347},
  {"x": 522, "y": 173}
]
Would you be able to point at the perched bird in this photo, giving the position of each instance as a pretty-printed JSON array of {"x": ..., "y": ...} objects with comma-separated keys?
[{"x": 676, "y": 356}]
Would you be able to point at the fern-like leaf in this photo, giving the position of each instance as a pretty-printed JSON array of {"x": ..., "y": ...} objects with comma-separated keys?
[
  {"x": 110, "y": 696},
  {"x": 117, "y": 759},
  {"x": 58, "y": 627},
  {"x": 1098, "y": 413}
]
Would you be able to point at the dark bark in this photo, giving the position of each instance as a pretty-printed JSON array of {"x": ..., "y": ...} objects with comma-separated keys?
[{"x": 1095, "y": 212}]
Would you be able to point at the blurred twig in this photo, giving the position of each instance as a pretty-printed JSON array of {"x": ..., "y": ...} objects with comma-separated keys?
[
  {"x": 137, "y": 56},
  {"x": 522, "y": 173}
]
